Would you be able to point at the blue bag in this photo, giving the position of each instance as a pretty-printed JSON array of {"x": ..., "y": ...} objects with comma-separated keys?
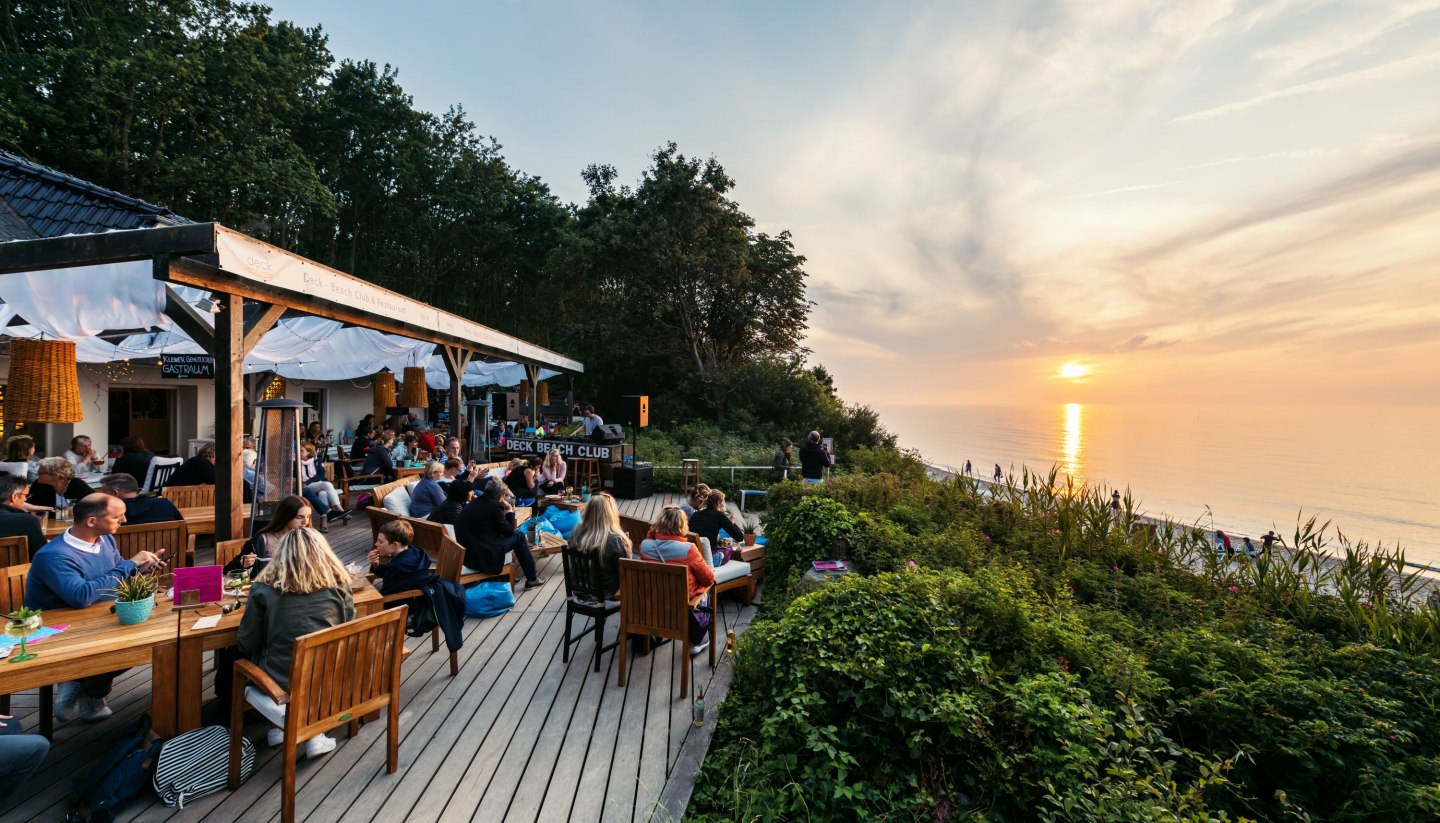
[
  {"x": 117, "y": 778},
  {"x": 564, "y": 520},
  {"x": 489, "y": 599}
]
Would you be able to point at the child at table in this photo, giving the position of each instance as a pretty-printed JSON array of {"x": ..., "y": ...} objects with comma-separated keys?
[
  {"x": 400, "y": 565},
  {"x": 304, "y": 589}
]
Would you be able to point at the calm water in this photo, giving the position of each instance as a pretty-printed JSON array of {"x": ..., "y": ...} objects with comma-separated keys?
[{"x": 1373, "y": 470}]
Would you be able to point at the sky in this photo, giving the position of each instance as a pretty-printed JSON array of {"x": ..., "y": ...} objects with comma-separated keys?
[{"x": 1192, "y": 201}]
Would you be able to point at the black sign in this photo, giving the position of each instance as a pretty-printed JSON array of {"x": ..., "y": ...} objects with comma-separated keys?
[
  {"x": 187, "y": 366},
  {"x": 567, "y": 448}
]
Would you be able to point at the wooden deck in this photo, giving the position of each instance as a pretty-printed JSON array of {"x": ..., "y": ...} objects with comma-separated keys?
[{"x": 517, "y": 735}]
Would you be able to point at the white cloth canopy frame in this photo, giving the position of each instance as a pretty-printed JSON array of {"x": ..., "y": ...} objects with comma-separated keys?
[{"x": 83, "y": 302}]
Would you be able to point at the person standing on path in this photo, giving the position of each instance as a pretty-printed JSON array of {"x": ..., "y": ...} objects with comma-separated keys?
[
  {"x": 969, "y": 470},
  {"x": 999, "y": 475},
  {"x": 1115, "y": 508},
  {"x": 1268, "y": 541}
]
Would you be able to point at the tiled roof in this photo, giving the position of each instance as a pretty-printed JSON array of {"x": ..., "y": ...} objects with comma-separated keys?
[
  {"x": 12, "y": 226},
  {"x": 51, "y": 203}
]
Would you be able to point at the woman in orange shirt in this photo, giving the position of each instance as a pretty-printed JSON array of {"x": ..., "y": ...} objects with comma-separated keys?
[{"x": 668, "y": 543}]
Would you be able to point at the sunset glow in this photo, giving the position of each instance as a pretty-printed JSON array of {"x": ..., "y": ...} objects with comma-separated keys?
[{"x": 1074, "y": 371}]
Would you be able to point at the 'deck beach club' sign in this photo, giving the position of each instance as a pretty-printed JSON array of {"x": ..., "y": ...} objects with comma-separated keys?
[
  {"x": 187, "y": 366},
  {"x": 567, "y": 448}
]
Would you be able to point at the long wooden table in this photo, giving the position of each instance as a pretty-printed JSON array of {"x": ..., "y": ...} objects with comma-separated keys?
[
  {"x": 198, "y": 520},
  {"x": 95, "y": 643}
]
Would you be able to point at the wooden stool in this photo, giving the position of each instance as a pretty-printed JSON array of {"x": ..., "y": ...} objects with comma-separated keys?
[
  {"x": 689, "y": 475},
  {"x": 585, "y": 471}
]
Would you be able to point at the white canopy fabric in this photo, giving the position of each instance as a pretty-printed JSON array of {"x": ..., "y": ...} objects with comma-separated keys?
[{"x": 80, "y": 303}]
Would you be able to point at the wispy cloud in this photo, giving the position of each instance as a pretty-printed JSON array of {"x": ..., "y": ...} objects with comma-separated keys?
[{"x": 1126, "y": 189}]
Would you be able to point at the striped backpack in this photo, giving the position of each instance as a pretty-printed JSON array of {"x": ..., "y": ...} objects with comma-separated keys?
[{"x": 197, "y": 763}]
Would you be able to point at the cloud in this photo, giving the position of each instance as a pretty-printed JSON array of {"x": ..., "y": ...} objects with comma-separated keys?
[
  {"x": 1142, "y": 342},
  {"x": 1394, "y": 70},
  {"x": 1143, "y": 187}
]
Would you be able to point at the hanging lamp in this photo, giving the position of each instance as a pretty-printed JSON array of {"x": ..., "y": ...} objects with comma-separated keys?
[
  {"x": 384, "y": 392},
  {"x": 44, "y": 386},
  {"x": 412, "y": 395},
  {"x": 543, "y": 390}
]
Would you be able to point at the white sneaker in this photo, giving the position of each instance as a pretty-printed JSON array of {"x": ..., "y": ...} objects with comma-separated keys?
[
  {"x": 700, "y": 647},
  {"x": 274, "y": 737},
  {"x": 319, "y": 744},
  {"x": 94, "y": 709},
  {"x": 67, "y": 701}
]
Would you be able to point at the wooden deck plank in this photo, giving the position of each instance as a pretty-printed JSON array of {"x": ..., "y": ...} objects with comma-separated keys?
[
  {"x": 619, "y": 795},
  {"x": 659, "y": 714},
  {"x": 578, "y": 734}
]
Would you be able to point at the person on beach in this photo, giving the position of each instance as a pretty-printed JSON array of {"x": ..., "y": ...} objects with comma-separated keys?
[
  {"x": 969, "y": 470},
  {"x": 1268, "y": 541},
  {"x": 999, "y": 475},
  {"x": 1249, "y": 548}
]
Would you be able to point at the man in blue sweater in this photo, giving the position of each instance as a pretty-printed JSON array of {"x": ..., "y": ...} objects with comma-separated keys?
[{"x": 74, "y": 571}]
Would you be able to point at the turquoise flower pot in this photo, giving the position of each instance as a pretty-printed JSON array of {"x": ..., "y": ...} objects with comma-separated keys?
[{"x": 134, "y": 612}]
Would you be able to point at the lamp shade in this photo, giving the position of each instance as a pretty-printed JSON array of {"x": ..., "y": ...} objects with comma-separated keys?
[
  {"x": 384, "y": 392},
  {"x": 44, "y": 386},
  {"x": 544, "y": 392},
  {"x": 524, "y": 393},
  {"x": 412, "y": 396}
]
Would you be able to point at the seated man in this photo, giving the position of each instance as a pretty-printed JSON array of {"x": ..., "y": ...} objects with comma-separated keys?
[
  {"x": 54, "y": 479},
  {"x": 74, "y": 571},
  {"x": 138, "y": 509},
  {"x": 135, "y": 460},
  {"x": 20, "y": 756},
  {"x": 82, "y": 455},
  {"x": 400, "y": 565},
  {"x": 486, "y": 528},
  {"x": 14, "y": 520}
]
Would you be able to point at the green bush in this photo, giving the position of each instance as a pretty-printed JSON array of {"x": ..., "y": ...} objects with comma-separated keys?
[{"x": 811, "y": 530}]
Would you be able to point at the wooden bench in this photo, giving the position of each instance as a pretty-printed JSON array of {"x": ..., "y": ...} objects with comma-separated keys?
[{"x": 447, "y": 555}]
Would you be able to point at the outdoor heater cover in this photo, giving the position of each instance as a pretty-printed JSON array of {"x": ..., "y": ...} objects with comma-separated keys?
[
  {"x": 478, "y": 433},
  {"x": 277, "y": 464}
]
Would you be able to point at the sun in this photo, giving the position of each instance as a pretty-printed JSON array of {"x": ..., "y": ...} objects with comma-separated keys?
[{"x": 1074, "y": 371}]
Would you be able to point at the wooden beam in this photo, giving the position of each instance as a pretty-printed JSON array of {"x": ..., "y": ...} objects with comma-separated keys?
[
  {"x": 108, "y": 247},
  {"x": 532, "y": 373},
  {"x": 183, "y": 314},
  {"x": 456, "y": 361},
  {"x": 229, "y": 417},
  {"x": 256, "y": 328}
]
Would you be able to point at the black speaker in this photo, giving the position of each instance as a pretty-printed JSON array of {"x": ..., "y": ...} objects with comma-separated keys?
[
  {"x": 608, "y": 435},
  {"x": 634, "y": 483},
  {"x": 505, "y": 405},
  {"x": 635, "y": 410}
]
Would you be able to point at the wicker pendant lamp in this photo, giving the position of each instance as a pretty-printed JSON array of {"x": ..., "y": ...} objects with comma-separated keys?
[
  {"x": 524, "y": 392},
  {"x": 412, "y": 395},
  {"x": 44, "y": 385},
  {"x": 384, "y": 392},
  {"x": 544, "y": 392}
]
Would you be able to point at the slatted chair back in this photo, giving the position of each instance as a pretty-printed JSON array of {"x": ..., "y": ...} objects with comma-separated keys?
[
  {"x": 14, "y": 550},
  {"x": 12, "y": 587},
  {"x": 636, "y": 529},
  {"x": 585, "y": 595},
  {"x": 227, "y": 550},
  {"x": 159, "y": 471},
  {"x": 172, "y": 536},
  {"x": 654, "y": 602},
  {"x": 190, "y": 497}
]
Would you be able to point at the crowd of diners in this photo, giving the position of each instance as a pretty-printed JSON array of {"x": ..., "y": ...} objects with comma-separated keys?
[{"x": 299, "y": 584}]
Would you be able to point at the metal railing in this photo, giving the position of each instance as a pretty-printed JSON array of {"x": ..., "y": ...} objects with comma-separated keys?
[{"x": 731, "y": 469}]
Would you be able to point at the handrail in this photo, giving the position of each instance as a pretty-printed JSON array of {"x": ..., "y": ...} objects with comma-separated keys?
[{"x": 732, "y": 469}]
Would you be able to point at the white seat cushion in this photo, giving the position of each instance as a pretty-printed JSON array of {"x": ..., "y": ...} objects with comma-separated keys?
[
  {"x": 398, "y": 501},
  {"x": 509, "y": 558},
  {"x": 731, "y": 570}
]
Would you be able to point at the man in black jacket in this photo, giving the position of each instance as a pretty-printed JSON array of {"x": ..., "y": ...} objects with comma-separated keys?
[
  {"x": 814, "y": 460},
  {"x": 139, "y": 510},
  {"x": 14, "y": 520},
  {"x": 486, "y": 528},
  {"x": 136, "y": 459}
]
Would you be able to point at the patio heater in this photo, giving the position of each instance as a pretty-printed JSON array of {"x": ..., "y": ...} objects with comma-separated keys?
[
  {"x": 277, "y": 464},
  {"x": 478, "y": 433}
]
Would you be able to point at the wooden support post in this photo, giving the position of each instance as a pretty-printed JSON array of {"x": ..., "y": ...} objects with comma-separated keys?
[
  {"x": 229, "y": 417},
  {"x": 456, "y": 361},
  {"x": 532, "y": 373}
]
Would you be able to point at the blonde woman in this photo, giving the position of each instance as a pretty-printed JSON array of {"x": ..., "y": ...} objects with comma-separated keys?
[
  {"x": 599, "y": 533},
  {"x": 304, "y": 589},
  {"x": 312, "y": 474},
  {"x": 697, "y": 500},
  {"x": 552, "y": 474}
]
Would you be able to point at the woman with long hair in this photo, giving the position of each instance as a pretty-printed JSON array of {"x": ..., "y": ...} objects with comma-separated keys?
[
  {"x": 599, "y": 533},
  {"x": 520, "y": 479},
  {"x": 19, "y": 448},
  {"x": 669, "y": 543},
  {"x": 291, "y": 514},
  {"x": 312, "y": 475},
  {"x": 552, "y": 474},
  {"x": 305, "y": 588}
]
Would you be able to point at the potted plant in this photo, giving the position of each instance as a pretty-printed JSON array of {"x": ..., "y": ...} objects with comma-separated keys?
[
  {"x": 750, "y": 529},
  {"x": 135, "y": 598},
  {"x": 584, "y": 494},
  {"x": 23, "y": 623}
]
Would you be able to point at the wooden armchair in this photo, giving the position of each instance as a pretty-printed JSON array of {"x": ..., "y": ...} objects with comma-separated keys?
[
  {"x": 172, "y": 536},
  {"x": 337, "y": 676},
  {"x": 654, "y": 602},
  {"x": 190, "y": 497},
  {"x": 351, "y": 486},
  {"x": 14, "y": 551},
  {"x": 585, "y": 596},
  {"x": 12, "y": 597},
  {"x": 447, "y": 555},
  {"x": 227, "y": 550}
]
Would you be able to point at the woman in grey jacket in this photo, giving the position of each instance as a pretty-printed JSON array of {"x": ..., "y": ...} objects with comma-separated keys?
[{"x": 304, "y": 589}]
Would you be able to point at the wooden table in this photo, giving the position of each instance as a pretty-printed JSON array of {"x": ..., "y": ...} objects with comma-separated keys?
[
  {"x": 402, "y": 472},
  {"x": 200, "y": 520},
  {"x": 95, "y": 643},
  {"x": 549, "y": 544}
]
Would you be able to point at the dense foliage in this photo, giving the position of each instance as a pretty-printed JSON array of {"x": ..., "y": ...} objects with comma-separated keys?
[{"x": 1037, "y": 662}]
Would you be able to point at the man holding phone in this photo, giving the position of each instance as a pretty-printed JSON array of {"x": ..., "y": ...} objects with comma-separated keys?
[{"x": 77, "y": 570}]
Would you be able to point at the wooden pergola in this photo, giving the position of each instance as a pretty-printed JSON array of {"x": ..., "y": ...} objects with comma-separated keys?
[{"x": 237, "y": 268}]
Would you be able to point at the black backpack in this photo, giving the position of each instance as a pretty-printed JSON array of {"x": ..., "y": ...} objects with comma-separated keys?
[{"x": 117, "y": 778}]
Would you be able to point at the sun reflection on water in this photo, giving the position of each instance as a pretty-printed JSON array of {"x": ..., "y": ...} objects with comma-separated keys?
[{"x": 1072, "y": 444}]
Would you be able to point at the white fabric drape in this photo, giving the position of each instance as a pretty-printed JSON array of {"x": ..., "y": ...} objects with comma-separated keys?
[{"x": 74, "y": 303}]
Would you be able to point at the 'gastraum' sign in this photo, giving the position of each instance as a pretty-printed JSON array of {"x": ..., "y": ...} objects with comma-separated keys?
[{"x": 187, "y": 366}]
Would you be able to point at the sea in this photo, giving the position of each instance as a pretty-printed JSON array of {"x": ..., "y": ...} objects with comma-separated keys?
[{"x": 1373, "y": 471}]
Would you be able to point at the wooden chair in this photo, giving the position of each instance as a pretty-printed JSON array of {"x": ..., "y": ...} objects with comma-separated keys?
[
  {"x": 689, "y": 475},
  {"x": 636, "y": 529},
  {"x": 447, "y": 555},
  {"x": 585, "y": 596},
  {"x": 159, "y": 471},
  {"x": 227, "y": 550},
  {"x": 351, "y": 487},
  {"x": 654, "y": 602},
  {"x": 172, "y": 536},
  {"x": 14, "y": 550},
  {"x": 190, "y": 497},
  {"x": 337, "y": 676},
  {"x": 12, "y": 597}
]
